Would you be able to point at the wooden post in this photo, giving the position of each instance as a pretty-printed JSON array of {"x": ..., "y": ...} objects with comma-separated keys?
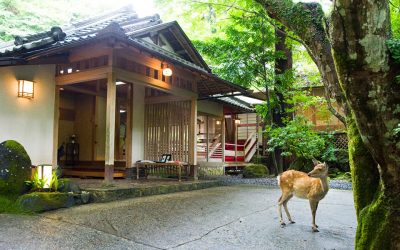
[
  {"x": 223, "y": 138},
  {"x": 55, "y": 126},
  {"x": 138, "y": 128},
  {"x": 193, "y": 138},
  {"x": 236, "y": 138},
  {"x": 128, "y": 135},
  {"x": 110, "y": 128},
  {"x": 257, "y": 135},
  {"x": 207, "y": 138}
]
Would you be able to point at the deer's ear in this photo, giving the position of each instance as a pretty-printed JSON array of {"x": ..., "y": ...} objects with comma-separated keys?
[
  {"x": 315, "y": 162},
  {"x": 326, "y": 165}
]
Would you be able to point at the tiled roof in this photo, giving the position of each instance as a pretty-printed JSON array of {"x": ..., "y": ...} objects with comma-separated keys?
[
  {"x": 125, "y": 24},
  {"x": 238, "y": 103}
]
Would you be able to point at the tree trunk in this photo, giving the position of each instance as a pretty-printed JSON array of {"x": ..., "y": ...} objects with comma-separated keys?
[
  {"x": 364, "y": 169},
  {"x": 359, "y": 32},
  {"x": 282, "y": 65}
]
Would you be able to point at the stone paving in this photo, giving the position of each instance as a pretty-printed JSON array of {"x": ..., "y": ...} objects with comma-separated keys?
[{"x": 229, "y": 217}]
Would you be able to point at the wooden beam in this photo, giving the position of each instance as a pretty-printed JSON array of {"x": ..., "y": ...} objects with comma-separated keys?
[
  {"x": 85, "y": 91},
  {"x": 164, "y": 99},
  {"x": 89, "y": 51},
  {"x": 110, "y": 128},
  {"x": 84, "y": 76},
  {"x": 223, "y": 131},
  {"x": 55, "y": 126},
  {"x": 128, "y": 76},
  {"x": 57, "y": 59}
]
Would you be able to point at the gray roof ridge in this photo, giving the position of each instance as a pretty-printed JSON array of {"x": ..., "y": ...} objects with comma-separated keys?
[{"x": 133, "y": 33}]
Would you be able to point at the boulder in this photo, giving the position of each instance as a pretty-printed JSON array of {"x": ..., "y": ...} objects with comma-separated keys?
[
  {"x": 255, "y": 171},
  {"x": 45, "y": 201},
  {"x": 15, "y": 168}
]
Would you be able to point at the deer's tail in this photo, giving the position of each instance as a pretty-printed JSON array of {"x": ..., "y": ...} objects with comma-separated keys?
[{"x": 279, "y": 180}]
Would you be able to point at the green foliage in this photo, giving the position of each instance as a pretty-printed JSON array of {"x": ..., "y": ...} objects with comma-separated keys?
[
  {"x": 54, "y": 183},
  {"x": 394, "y": 48},
  {"x": 10, "y": 206},
  {"x": 297, "y": 138},
  {"x": 38, "y": 185},
  {"x": 255, "y": 171},
  {"x": 395, "y": 17},
  {"x": 241, "y": 55}
]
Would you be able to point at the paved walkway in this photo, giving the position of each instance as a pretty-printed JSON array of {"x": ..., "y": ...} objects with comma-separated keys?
[{"x": 232, "y": 217}]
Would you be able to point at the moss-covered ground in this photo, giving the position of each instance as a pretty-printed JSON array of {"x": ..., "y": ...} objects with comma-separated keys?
[{"x": 10, "y": 206}]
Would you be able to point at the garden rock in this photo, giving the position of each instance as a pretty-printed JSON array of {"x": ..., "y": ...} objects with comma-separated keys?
[
  {"x": 15, "y": 168},
  {"x": 45, "y": 201},
  {"x": 66, "y": 185}
]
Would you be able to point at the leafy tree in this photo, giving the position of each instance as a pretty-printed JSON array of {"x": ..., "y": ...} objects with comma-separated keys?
[
  {"x": 24, "y": 17},
  {"x": 297, "y": 138}
]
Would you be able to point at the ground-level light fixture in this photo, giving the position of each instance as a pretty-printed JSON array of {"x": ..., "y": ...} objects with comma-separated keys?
[
  {"x": 166, "y": 71},
  {"x": 26, "y": 89},
  {"x": 45, "y": 172}
]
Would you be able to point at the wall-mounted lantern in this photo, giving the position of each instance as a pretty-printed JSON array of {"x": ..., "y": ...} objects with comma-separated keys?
[
  {"x": 237, "y": 121},
  {"x": 26, "y": 89},
  {"x": 167, "y": 71},
  {"x": 45, "y": 172},
  {"x": 218, "y": 122}
]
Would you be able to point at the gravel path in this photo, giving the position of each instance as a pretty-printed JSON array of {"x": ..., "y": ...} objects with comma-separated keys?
[{"x": 272, "y": 182}]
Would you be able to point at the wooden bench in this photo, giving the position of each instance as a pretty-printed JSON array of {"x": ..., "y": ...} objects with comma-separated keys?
[{"x": 154, "y": 165}]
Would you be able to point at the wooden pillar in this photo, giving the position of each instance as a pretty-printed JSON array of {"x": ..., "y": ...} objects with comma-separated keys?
[
  {"x": 207, "y": 138},
  {"x": 257, "y": 135},
  {"x": 55, "y": 126},
  {"x": 236, "y": 138},
  {"x": 193, "y": 138},
  {"x": 110, "y": 128},
  {"x": 128, "y": 135},
  {"x": 223, "y": 138},
  {"x": 138, "y": 112}
]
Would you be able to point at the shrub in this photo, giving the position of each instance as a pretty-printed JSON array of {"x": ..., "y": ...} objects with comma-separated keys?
[
  {"x": 302, "y": 164},
  {"x": 255, "y": 171}
]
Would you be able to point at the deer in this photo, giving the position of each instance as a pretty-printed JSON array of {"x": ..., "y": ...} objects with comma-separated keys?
[{"x": 312, "y": 186}]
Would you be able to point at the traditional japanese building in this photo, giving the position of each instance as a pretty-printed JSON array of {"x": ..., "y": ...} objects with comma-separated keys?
[{"x": 111, "y": 90}]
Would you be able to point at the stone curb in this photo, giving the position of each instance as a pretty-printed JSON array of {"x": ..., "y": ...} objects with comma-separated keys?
[{"x": 103, "y": 195}]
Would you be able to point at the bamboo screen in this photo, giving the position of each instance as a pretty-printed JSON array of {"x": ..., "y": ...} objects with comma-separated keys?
[{"x": 167, "y": 130}]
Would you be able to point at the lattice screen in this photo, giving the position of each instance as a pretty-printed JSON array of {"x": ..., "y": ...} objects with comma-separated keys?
[
  {"x": 167, "y": 130},
  {"x": 340, "y": 140}
]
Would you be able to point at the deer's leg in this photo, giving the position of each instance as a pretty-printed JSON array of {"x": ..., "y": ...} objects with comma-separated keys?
[
  {"x": 314, "y": 205},
  {"x": 287, "y": 210},
  {"x": 281, "y": 201}
]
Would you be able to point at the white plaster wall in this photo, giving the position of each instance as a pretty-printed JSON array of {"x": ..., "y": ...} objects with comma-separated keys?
[
  {"x": 211, "y": 108},
  {"x": 138, "y": 123},
  {"x": 30, "y": 122}
]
